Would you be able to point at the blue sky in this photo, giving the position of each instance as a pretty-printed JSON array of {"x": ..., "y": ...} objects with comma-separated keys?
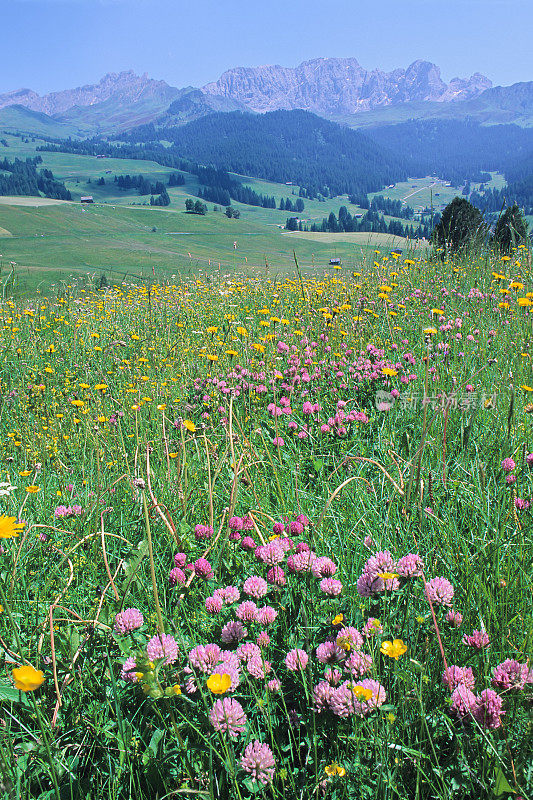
[{"x": 57, "y": 44}]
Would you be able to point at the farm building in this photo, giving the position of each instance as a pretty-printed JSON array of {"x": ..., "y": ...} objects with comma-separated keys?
[
  {"x": 87, "y": 199},
  {"x": 334, "y": 261}
]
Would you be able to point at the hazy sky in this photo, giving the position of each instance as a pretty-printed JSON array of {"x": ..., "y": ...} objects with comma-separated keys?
[{"x": 56, "y": 44}]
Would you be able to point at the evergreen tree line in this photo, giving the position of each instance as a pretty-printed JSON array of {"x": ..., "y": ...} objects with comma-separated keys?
[
  {"x": 139, "y": 182},
  {"x": 176, "y": 179},
  {"x": 288, "y": 205},
  {"x": 458, "y": 150},
  {"x": 23, "y": 179},
  {"x": 493, "y": 201},
  {"x": 96, "y": 146},
  {"x": 371, "y": 222},
  {"x": 392, "y": 208},
  {"x": 195, "y": 207},
  {"x": 463, "y": 226},
  {"x": 222, "y": 188},
  {"x": 161, "y": 199}
]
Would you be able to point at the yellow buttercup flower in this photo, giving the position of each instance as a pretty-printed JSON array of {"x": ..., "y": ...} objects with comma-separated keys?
[
  {"x": 362, "y": 692},
  {"x": 10, "y": 528},
  {"x": 27, "y": 678},
  {"x": 219, "y": 684},
  {"x": 393, "y": 649},
  {"x": 335, "y": 769}
]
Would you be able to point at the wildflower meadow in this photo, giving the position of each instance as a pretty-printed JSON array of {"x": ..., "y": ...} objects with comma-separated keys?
[{"x": 270, "y": 537}]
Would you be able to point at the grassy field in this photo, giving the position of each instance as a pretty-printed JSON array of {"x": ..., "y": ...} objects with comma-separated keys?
[
  {"x": 56, "y": 241},
  {"x": 267, "y": 538},
  {"x": 420, "y": 193},
  {"x": 116, "y": 235},
  {"x": 121, "y": 236},
  {"x": 77, "y": 170}
]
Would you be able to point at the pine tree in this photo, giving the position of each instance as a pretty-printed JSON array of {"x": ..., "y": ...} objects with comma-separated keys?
[
  {"x": 511, "y": 230},
  {"x": 460, "y": 226}
]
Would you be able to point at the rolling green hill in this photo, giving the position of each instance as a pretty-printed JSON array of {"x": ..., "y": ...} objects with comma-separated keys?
[{"x": 35, "y": 123}]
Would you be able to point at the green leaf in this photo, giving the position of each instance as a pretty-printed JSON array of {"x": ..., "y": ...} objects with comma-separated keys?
[
  {"x": 501, "y": 785},
  {"x": 74, "y": 639},
  {"x": 12, "y": 695},
  {"x": 8, "y": 692},
  {"x": 154, "y": 741},
  {"x": 131, "y": 566},
  {"x": 253, "y": 786}
]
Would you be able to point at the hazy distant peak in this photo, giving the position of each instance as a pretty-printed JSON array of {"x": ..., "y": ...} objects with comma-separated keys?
[
  {"x": 340, "y": 86},
  {"x": 125, "y": 86}
]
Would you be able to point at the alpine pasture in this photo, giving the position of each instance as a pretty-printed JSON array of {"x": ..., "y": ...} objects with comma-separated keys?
[{"x": 263, "y": 536}]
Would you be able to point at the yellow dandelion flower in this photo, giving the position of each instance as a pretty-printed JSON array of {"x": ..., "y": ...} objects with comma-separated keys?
[
  {"x": 189, "y": 424},
  {"x": 390, "y": 373},
  {"x": 32, "y": 489},
  {"x": 10, "y": 528}
]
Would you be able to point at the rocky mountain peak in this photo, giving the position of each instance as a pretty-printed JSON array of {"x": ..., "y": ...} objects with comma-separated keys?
[{"x": 340, "y": 86}]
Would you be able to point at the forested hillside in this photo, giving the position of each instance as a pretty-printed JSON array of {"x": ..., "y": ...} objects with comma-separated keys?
[
  {"x": 23, "y": 178},
  {"x": 283, "y": 146},
  {"x": 457, "y": 151}
]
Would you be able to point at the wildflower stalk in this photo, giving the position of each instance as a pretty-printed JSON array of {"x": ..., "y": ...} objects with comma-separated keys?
[
  {"x": 209, "y": 483},
  {"x": 160, "y": 625},
  {"x": 44, "y": 735}
]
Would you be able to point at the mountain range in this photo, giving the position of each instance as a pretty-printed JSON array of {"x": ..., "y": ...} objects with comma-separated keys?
[
  {"x": 335, "y": 88},
  {"x": 329, "y": 86}
]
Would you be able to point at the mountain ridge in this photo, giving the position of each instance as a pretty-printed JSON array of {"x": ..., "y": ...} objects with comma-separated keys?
[
  {"x": 340, "y": 86},
  {"x": 334, "y": 88},
  {"x": 124, "y": 85}
]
